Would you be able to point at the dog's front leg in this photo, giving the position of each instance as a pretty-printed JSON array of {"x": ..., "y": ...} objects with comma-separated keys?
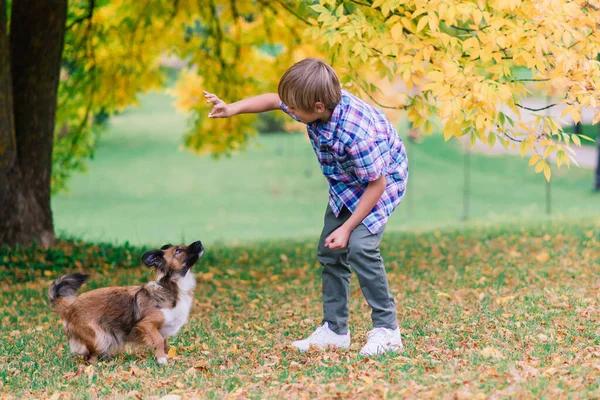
[{"x": 151, "y": 336}]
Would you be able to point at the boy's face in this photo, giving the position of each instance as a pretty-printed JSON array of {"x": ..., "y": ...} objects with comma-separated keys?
[{"x": 307, "y": 116}]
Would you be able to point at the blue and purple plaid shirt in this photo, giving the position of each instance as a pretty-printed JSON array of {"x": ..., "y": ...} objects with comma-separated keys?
[{"x": 356, "y": 146}]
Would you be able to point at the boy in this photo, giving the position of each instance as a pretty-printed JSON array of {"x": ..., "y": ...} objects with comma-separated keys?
[{"x": 364, "y": 160}]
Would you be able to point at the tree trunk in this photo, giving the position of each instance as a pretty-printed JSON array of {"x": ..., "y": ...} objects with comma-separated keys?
[{"x": 36, "y": 39}]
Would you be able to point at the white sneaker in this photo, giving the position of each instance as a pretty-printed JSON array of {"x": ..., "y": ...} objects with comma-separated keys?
[
  {"x": 382, "y": 340},
  {"x": 323, "y": 337}
]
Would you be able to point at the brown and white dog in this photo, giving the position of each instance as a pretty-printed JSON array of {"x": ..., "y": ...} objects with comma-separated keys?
[{"x": 99, "y": 322}]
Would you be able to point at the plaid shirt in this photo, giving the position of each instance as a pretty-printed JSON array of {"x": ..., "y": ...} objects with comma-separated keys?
[{"x": 356, "y": 146}]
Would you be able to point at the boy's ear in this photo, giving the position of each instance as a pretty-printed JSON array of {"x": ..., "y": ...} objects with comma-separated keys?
[{"x": 319, "y": 107}]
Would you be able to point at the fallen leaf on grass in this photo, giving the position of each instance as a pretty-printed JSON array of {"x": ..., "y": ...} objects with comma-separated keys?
[
  {"x": 170, "y": 397},
  {"x": 542, "y": 257},
  {"x": 543, "y": 338},
  {"x": 173, "y": 352},
  {"x": 136, "y": 371},
  {"x": 504, "y": 300},
  {"x": 491, "y": 352},
  {"x": 368, "y": 380},
  {"x": 89, "y": 371}
]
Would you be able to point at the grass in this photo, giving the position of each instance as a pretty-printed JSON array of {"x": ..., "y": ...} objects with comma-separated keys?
[
  {"x": 142, "y": 189},
  {"x": 507, "y": 312}
]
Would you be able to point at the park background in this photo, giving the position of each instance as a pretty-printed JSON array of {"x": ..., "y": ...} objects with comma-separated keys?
[{"x": 494, "y": 268}]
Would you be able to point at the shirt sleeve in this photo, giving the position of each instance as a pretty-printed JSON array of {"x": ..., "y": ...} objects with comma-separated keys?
[
  {"x": 284, "y": 108},
  {"x": 368, "y": 157}
]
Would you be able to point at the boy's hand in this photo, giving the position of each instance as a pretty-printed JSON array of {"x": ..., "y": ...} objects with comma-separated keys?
[
  {"x": 220, "y": 108},
  {"x": 338, "y": 238}
]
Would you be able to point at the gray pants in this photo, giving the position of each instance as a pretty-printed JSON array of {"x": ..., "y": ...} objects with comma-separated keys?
[{"x": 362, "y": 253}]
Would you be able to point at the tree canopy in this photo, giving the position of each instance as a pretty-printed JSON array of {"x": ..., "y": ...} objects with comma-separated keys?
[{"x": 462, "y": 56}]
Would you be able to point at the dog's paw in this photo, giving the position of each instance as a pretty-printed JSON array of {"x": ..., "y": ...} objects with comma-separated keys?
[{"x": 161, "y": 360}]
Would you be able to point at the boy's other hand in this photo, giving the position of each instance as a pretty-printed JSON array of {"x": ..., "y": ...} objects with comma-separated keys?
[
  {"x": 338, "y": 238},
  {"x": 220, "y": 108}
]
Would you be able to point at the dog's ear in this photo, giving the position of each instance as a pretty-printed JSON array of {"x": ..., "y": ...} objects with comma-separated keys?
[
  {"x": 166, "y": 246},
  {"x": 153, "y": 258}
]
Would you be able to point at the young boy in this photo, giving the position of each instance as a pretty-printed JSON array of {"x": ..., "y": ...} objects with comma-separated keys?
[{"x": 364, "y": 160}]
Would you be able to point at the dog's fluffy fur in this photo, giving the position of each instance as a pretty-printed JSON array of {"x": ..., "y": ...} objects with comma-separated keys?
[{"x": 99, "y": 322}]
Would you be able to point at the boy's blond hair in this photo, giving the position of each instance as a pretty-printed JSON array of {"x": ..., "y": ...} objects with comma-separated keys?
[{"x": 308, "y": 82}]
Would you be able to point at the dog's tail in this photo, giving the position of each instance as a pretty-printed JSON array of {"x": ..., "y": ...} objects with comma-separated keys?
[{"x": 62, "y": 292}]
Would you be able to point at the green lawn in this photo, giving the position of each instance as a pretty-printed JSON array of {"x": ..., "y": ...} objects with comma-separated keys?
[
  {"x": 507, "y": 312},
  {"x": 143, "y": 189}
]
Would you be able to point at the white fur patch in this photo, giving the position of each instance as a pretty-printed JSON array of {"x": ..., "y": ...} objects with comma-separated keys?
[
  {"x": 161, "y": 361},
  {"x": 77, "y": 347},
  {"x": 153, "y": 284},
  {"x": 177, "y": 316},
  {"x": 107, "y": 344}
]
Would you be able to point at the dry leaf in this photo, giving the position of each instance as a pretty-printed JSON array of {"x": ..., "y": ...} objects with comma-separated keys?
[
  {"x": 368, "y": 380},
  {"x": 171, "y": 397},
  {"x": 491, "y": 352},
  {"x": 504, "y": 300},
  {"x": 89, "y": 371},
  {"x": 542, "y": 257},
  {"x": 543, "y": 338},
  {"x": 173, "y": 352}
]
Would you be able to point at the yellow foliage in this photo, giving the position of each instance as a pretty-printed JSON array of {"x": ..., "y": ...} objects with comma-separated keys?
[{"x": 453, "y": 61}]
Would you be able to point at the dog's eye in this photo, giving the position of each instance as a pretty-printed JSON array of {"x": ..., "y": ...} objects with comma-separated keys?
[{"x": 178, "y": 251}]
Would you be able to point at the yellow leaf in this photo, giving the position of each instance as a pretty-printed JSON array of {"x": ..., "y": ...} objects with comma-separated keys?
[
  {"x": 173, "y": 352},
  {"x": 534, "y": 159},
  {"x": 397, "y": 32},
  {"x": 540, "y": 166},
  {"x": 368, "y": 380},
  {"x": 566, "y": 37},
  {"x": 491, "y": 352},
  {"x": 542, "y": 257},
  {"x": 504, "y": 300},
  {"x": 422, "y": 22},
  {"x": 548, "y": 151},
  {"x": 547, "y": 172},
  {"x": 523, "y": 147},
  {"x": 576, "y": 115},
  {"x": 566, "y": 110}
]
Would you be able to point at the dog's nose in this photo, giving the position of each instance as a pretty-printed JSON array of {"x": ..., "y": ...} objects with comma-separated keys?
[{"x": 197, "y": 246}]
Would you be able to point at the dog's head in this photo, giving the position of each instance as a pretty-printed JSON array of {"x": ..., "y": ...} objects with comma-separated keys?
[{"x": 173, "y": 260}]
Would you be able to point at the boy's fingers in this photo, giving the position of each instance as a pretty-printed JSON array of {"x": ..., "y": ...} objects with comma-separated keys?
[{"x": 329, "y": 242}]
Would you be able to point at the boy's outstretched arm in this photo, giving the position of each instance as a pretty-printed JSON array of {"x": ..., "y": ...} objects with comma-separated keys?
[{"x": 257, "y": 104}]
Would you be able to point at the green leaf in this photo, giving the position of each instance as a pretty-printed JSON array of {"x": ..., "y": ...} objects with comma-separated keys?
[
  {"x": 502, "y": 118},
  {"x": 319, "y": 8}
]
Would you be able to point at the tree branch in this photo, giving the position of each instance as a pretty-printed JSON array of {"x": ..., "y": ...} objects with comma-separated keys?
[
  {"x": 295, "y": 14},
  {"x": 87, "y": 17},
  {"x": 404, "y": 107},
  {"x": 276, "y": 12},
  {"x": 512, "y": 138},
  {"x": 530, "y": 80},
  {"x": 218, "y": 35},
  {"x": 236, "y": 21},
  {"x": 360, "y": 3},
  {"x": 536, "y": 109}
]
